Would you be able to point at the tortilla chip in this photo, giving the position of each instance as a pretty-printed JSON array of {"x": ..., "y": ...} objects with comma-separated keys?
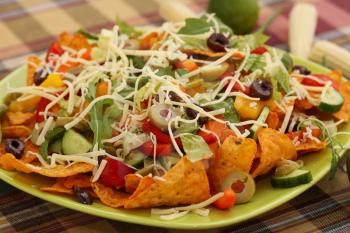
[
  {"x": 29, "y": 157},
  {"x": 185, "y": 183},
  {"x": 109, "y": 196},
  {"x": 33, "y": 62},
  {"x": 19, "y": 118},
  {"x": 274, "y": 146},
  {"x": 310, "y": 146},
  {"x": 9, "y": 162},
  {"x": 303, "y": 104},
  {"x": 344, "y": 112},
  {"x": 131, "y": 182},
  {"x": 76, "y": 41},
  {"x": 234, "y": 154},
  {"x": 273, "y": 120},
  {"x": 57, "y": 188},
  {"x": 80, "y": 180},
  {"x": 16, "y": 131}
]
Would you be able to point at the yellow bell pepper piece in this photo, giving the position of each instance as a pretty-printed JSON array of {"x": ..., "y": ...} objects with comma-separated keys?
[
  {"x": 248, "y": 109},
  {"x": 53, "y": 80},
  {"x": 251, "y": 109}
]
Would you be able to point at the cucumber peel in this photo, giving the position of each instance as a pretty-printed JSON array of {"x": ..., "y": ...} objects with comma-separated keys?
[{"x": 295, "y": 178}]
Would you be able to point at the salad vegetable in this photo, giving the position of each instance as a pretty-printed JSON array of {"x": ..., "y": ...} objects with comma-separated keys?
[{"x": 184, "y": 115}]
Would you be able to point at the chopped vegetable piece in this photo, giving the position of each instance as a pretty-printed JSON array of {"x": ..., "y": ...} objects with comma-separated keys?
[
  {"x": 226, "y": 201},
  {"x": 114, "y": 172},
  {"x": 295, "y": 178}
]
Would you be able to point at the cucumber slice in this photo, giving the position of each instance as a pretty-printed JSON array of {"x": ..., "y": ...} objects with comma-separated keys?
[
  {"x": 331, "y": 100},
  {"x": 135, "y": 158},
  {"x": 261, "y": 119},
  {"x": 295, "y": 178},
  {"x": 74, "y": 143}
]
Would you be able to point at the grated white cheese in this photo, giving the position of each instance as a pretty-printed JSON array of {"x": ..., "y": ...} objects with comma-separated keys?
[
  {"x": 48, "y": 124},
  {"x": 286, "y": 118},
  {"x": 99, "y": 171}
]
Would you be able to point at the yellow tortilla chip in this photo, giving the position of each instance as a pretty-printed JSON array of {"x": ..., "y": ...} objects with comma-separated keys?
[
  {"x": 9, "y": 162},
  {"x": 80, "y": 180},
  {"x": 109, "y": 196},
  {"x": 19, "y": 118},
  {"x": 33, "y": 62},
  {"x": 131, "y": 182},
  {"x": 310, "y": 146},
  {"x": 274, "y": 146},
  {"x": 344, "y": 112},
  {"x": 57, "y": 188},
  {"x": 16, "y": 131},
  {"x": 185, "y": 183},
  {"x": 234, "y": 154},
  {"x": 29, "y": 157}
]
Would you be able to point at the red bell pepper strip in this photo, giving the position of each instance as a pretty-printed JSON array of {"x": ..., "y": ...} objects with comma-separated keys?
[
  {"x": 114, "y": 172},
  {"x": 162, "y": 137},
  {"x": 209, "y": 138},
  {"x": 55, "y": 48},
  {"x": 161, "y": 149},
  {"x": 41, "y": 108},
  {"x": 322, "y": 77},
  {"x": 259, "y": 50}
]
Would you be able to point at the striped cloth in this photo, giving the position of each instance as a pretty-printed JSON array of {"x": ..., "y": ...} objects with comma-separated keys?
[{"x": 28, "y": 26}]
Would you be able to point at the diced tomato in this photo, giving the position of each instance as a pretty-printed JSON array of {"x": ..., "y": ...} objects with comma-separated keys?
[
  {"x": 322, "y": 77},
  {"x": 41, "y": 108},
  {"x": 228, "y": 72},
  {"x": 220, "y": 129},
  {"x": 55, "y": 48},
  {"x": 161, "y": 149},
  {"x": 226, "y": 201},
  {"x": 114, "y": 172},
  {"x": 209, "y": 138},
  {"x": 236, "y": 87},
  {"x": 259, "y": 50}
]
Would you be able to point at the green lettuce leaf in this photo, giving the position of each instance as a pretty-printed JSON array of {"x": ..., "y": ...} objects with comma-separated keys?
[
  {"x": 255, "y": 62},
  {"x": 186, "y": 128},
  {"x": 252, "y": 40},
  {"x": 126, "y": 29},
  {"x": 195, "y": 147},
  {"x": 230, "y": 114}
]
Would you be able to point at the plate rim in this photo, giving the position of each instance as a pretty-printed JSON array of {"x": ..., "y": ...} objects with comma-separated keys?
[{"x": 156, "y": 222}]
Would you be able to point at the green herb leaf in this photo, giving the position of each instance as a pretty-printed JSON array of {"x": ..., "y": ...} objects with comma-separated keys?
[
  {"x": 137, "y": 61},
  {"x": 126, "y": 29},
  {"x": 255, "y": 62},
  {"x": 201, "y": 25},
  {"x": 230, "y": 114},
  {"x": 195, "y": 147},
  {"x": 50, "y": 136},
  {"x": 87, "y": 34},
  {"x": 252, "y": 40},
  {"x": 287, "y": 62},
  {"x": 280, "y": 74},
  {"x": 166, "y": 71},
  {"x": 111, "y": 114}
]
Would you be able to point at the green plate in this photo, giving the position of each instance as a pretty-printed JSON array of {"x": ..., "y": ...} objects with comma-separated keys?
[{"x": 265, "y": 199}]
